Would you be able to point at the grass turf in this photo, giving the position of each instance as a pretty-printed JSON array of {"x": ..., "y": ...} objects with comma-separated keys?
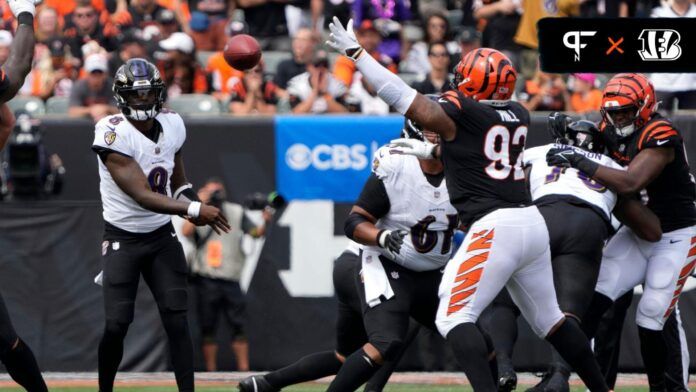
[{"x": 303, "y": 388}]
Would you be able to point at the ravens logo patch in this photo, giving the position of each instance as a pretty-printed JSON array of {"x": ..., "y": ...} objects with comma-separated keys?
[{"x": 110, "y": 137}]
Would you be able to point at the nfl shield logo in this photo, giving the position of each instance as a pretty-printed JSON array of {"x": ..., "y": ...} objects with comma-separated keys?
[
  {"x": 437, "y": 194},
  {"x": 395, "y": 275},
  {"x": 116, "y": 245},
  {"x": 157, "y": 150},
  {"x": 110, "y": 137},
  {"x": 622, "y": 148}
]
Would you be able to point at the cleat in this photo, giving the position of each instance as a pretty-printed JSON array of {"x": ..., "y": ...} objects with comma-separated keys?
[
  {"x": 255, "y": 384},
  {"x": 507, "y": 381},
  {"x": 554, "y": 380}
]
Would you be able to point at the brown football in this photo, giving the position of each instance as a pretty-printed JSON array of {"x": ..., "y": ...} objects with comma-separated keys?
[{"x": 242, "y": 52}]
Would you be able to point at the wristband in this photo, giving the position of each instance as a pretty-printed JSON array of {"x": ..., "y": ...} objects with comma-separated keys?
[
  {"x": 185, "y": 193},
  {"x": 194, "y": 209},
  {"x": 382, "y": 237},
  {"x": 26, "y": 18},
  {"x": 587, "y": 166}
]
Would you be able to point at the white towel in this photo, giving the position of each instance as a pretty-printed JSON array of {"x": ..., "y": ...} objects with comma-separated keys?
[
  {"x": 374, "y": 277},
  {"x": 99, "y": 279}
]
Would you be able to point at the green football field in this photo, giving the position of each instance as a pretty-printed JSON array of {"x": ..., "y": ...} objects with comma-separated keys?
[{"x": 307, "y": 388}]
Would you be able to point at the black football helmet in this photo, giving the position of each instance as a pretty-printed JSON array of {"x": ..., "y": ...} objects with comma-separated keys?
[
  {"x": 139, "y": 89},
  {"x": 585, "y": 134}
]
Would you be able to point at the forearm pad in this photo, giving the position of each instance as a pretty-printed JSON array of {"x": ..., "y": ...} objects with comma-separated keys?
[
  {"x": 185, "y": 193},
  {"x": 389, "y": 86}
]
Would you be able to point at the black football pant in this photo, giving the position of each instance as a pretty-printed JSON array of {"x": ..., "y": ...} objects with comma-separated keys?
[{"x": 159, "y": 258}]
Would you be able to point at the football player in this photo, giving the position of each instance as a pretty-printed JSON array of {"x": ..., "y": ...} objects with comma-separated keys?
[
  {"x": 578, "y": 214},
  {"x": 14, "y": 353},
  {"x": 142, "y": 183},
  {"x": 350, "y": 336},
  {"x": 507, "y": 244},
  {"x": 654, "y": 155}
]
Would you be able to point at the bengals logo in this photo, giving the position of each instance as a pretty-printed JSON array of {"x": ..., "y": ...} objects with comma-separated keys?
[
  {"x": 110, "y": 137},
  {"x": 660, "y": 45}
]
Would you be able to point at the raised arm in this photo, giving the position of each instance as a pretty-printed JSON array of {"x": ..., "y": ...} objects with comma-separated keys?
[
  {"x": 18, "y": 64},
  {"x": 389, "y": 86}
]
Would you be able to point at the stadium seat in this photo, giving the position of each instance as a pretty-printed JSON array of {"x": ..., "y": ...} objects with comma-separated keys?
[
  {"x": 57, "y": 105},
  {"x": 33, "y": 105},
  {"x": 194, "y": 104},
  {"x": 271, "y": 59},
  {"x": 202, "y": 57}
]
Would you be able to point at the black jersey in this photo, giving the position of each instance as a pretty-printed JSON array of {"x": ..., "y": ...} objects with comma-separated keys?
[
  {"x": 483, "y": 163},
  {"x": 672, "y": 194}
]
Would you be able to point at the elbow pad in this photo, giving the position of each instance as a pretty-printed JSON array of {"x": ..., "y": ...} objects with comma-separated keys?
[
  {"x": 185, "y": 193},
  {"x": 353, "y": 220}
]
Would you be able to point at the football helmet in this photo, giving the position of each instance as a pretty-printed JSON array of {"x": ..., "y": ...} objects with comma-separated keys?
[
  {"x": 585, "y": 134},
  {"x": 485, "y": 75},
  {"x": 628, "y": 102},
  {"x": 139, "y": 89}
]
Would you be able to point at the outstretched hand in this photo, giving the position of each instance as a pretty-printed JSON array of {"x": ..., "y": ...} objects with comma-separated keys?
[
  {"x": 343, "y": 40},
  {"x": 417, "y": 148}
]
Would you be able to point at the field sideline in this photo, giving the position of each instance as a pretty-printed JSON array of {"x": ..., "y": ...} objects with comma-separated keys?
[{"x": 217, "y": 382}]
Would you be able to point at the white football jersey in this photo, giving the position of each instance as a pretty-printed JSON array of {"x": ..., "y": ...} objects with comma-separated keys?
[
  {"x": 547, "y": 180},
  {"x": 115, "y": 133},
  {"x": 417, "y": 207}
]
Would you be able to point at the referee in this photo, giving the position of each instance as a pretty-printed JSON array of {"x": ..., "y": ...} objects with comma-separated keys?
[{"x": 217, "y": 267}]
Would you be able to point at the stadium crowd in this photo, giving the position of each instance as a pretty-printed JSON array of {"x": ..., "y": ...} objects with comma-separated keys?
[{"x": 81, "y": 43}]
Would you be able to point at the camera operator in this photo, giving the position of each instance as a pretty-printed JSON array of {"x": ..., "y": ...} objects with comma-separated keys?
[
  {"x": 29, "y": 171},
  {"x": 217, "y": 267}
]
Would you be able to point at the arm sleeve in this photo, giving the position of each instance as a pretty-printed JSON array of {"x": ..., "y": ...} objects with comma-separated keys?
[{"x": 373, "y": 197}]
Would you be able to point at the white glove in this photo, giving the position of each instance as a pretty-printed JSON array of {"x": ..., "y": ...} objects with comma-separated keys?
[
  {"x": 19, "y": 6},
  {"x": 344, "y": 40},
  {"x": 417, "y": 148}
]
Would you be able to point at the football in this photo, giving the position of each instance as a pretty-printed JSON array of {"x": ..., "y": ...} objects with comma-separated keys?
[{"x": 242, "y": 52}]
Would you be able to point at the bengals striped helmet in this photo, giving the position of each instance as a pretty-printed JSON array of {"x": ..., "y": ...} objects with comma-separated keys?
[
  {"x": 485, "y": 74},
  {"x": 628, "y": 102}
]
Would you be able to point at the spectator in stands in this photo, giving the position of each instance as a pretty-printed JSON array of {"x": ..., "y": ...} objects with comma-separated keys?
[
  {"x": 303, "y": 44},
  {"x": 502, "y": 19},
  {"x": 181, "y": 72},
  {"x": 362, "y": 98},
  {"x": 221, "y": 74},
  {"x": 438, "y": 78},
  {"x": 436, "y": 30},
  {"x": 324, "y": 11},
  {"x": 298, "y": 15},
  {"x": 544, "y": 92},
  {"x": 369, "y": 38},
  {"x": 317, "y": 91},
  {"x": 469, "y": 39},
  {"x": 166, "y": 23},
  {"x": 206, "y": 35},
  {"x": 253, "y": 93},
  {"x": 387, "y": 18},
  {"x": 47, "y": 26},
  {"x": 217, "y": 267},
  {"x": 130, "y": 46},
  {"x": 217, "y": 11},
  {"x": 65, "y": 73},
  {"x": 143, "y": 13},
  {"x": 266, "y": 20},
  {"x": 92, "y": 95},
  {"x": 38, "y": 81},
  {"x": 67, "y": 7},
  {"x": 87, "y": 29},
  {"x": 675, "y": 86},
  {"x": 5, "y": 45},
  {"x": 586, "y": 97}
]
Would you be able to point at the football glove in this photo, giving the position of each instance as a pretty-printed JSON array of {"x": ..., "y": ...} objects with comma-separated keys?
[
  {"x": 417, "y": 148},
  {"x": 19, "y": 6},
  {"x": 391, "y": 241},
  {"x": 343, "y": 39},
  {"x": 568, "y": 157}
]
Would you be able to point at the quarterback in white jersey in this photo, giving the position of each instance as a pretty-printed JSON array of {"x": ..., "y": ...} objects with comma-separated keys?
[{"x": 141, "y": 168}]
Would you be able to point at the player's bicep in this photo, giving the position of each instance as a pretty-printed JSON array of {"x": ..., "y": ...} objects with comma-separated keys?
[
  {"x": 648, "y": 164},
  {"x": 127, "y": 174},
  {"x": 429, "y": 115}
]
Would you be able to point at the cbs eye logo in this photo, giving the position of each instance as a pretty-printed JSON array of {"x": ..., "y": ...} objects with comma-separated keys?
[{"x": 660, "y": 45}]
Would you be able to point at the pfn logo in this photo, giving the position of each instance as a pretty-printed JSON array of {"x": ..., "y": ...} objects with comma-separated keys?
[
  {"x": 575, "y": 43},
  {"x": 660, "y": 45}
]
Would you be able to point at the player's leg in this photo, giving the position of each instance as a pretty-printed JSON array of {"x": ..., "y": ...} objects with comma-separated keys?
[
  {"x": 17, "y": 356},
  {"x": 209, "y": 306},
  {"x": 350, "y": 336},
  {"x": 235, "y": 312},
  {"x": 623, "y": 267},
  {"x": 121, "y": 265},
  {"x": 677, "y": 374},
  {"x": 166, "y": 274},
  {"x": 607, "y": 342},
  {"x": 499, "y": 320},
  {"x": 489, "y": 255},
  {"x": 669, "y": 265},
  {"x": 386, "y": 325},
  {"x": 379, "y": 380}
]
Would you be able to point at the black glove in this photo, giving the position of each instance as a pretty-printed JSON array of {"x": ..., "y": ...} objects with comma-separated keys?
[
  {"x": 558, "y": 126},
  {"x": 569, "y": 157},
  {"x": 391, "y": 240}
]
